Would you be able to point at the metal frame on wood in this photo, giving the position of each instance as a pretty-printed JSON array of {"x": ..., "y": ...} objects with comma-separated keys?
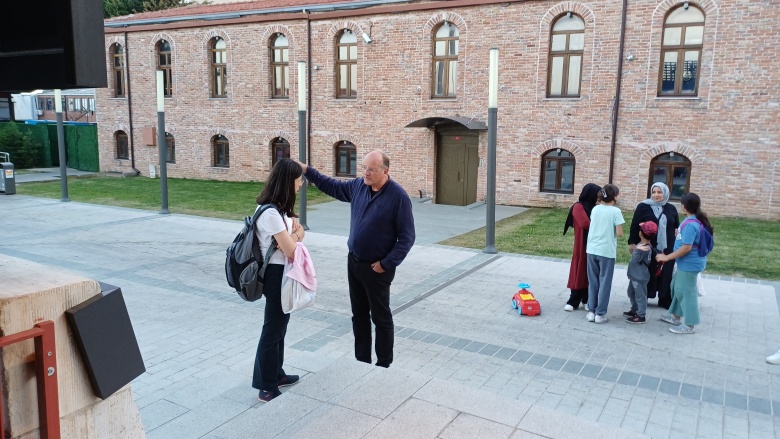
[{"x": 45, "y": 374}]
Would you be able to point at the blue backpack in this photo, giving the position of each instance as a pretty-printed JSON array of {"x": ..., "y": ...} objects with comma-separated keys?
[{"x": 706, "y": 240}]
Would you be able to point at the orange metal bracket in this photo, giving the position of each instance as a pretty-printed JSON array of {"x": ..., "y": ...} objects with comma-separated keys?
[{"x": 46, "y": 375}]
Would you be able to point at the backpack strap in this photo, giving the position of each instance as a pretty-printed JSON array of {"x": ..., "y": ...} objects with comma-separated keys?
[
  {"x": 701, "y": 226},
  {"x": 256, "y": 244}
]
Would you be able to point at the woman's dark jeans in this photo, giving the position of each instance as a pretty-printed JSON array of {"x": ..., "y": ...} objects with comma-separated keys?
[{"x": 270, "y": 349}]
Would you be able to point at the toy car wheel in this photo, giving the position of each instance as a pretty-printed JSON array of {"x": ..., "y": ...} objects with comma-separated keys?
[
  {"x": 520, "y": 310},
  {"x": 514, "y": 303}
]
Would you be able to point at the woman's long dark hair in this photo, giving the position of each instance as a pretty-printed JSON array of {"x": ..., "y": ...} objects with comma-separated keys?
[
  {"x": 692, "y": 204},
  {"x": 280, "y": 187}
]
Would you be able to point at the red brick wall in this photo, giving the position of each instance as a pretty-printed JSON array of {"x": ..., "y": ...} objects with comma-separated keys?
[{"x": 730, "y": 132}]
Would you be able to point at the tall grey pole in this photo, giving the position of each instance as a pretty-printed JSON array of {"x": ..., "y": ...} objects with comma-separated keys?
[
  {"x": 490, "y": 198},
  {"x": 162, "y": 145},
  {"x": 302, "y": 136},
  {"x": 61, "y": 145}
]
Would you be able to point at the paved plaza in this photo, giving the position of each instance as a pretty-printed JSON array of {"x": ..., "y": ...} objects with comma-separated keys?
[{"x": 466, "y": 364}]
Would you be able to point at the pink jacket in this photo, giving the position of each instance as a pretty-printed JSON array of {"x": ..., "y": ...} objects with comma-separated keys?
[{"x": 303, "y": 268}]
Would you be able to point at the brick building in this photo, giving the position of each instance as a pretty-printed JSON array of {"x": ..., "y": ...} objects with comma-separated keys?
[{"x": 699, "y": 95}]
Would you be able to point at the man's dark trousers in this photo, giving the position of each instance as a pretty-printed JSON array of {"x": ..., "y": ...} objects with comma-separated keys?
[{"x": 369, "y": 293}]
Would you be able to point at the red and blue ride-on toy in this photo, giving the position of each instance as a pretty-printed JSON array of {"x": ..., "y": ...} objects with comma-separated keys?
[{"x": 525, "y": 302}]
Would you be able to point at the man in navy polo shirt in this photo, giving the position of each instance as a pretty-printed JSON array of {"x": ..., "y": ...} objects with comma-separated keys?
[{"x": 381, "y": 233}]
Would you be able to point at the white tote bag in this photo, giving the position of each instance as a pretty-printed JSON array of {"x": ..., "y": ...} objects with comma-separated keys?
[{"x": 294, "y": 295}]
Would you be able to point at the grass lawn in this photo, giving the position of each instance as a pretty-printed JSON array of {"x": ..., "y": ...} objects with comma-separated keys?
[
  {"x": 216, "y": 199},
  {"x": 743, "y": 247}
]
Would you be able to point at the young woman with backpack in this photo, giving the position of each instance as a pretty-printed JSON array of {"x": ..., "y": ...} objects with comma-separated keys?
[
  {"x": 276, "y": 227},
  {"x": 685, "y": 300}
]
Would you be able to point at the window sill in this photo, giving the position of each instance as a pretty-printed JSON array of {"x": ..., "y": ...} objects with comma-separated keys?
[
  {"x": 348, "y": 99},
  {"x": 220, "y": 168},
  {"x": 455, "y": 99},
  {"x": 218, "y": 99},
  {"x": 114, "y": 98},
  {"x": 555, "y": 193},
  {"x": 279, "y": 99},
  {"x": 564, "y": 98},
  {"x": 677, "y": 98}
]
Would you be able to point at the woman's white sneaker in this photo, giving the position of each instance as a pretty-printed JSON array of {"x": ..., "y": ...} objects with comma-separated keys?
[
  {"x": 774, "y": 358},
  {"x": 591, "y": 316},
  {"x": 601, "y": 319},
  {"x": 568, "y": 308}
]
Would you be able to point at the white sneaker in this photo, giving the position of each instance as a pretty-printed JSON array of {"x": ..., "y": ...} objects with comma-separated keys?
[
  {"x": 774, "y": 358},
  {"x": 568, "y": 308},
  {"x": 601, "y": 319},
  {"x": 591, "y": 316},
  {"x": 586, "y": 307}
]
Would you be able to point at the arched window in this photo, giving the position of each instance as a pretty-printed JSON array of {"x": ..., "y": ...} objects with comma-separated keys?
[
  {"x": 567, "y": 41},
  {"x": 557, "y": 172},
  {"x": 122, "y": 150},
  {"x": 674, "y": 170},
  {"x": 280, "y": 149},
  {"x": 218, "y": 55},
  {"x": 118, "y": 63},
  {"x": 683, "y": 40},
  {"x": 346, "y": 159},
  {"x": 346, "y": 65},
  {"x": 280, "y": 67},
  {"x": 164, "y": 64},
  {"x": 445, "y": 61},
  {"x": 171, "y": 143},
  {"x": 221, "y": 154}
]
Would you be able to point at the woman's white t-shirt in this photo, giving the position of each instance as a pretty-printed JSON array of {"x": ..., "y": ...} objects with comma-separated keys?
[{"x": 269, "y": 224}]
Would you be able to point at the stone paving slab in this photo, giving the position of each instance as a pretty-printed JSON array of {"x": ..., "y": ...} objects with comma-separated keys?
[{"x": 455, "y": 329}]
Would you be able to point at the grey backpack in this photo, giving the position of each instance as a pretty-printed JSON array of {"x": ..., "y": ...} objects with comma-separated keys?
[{"x": 244, "y": 262}]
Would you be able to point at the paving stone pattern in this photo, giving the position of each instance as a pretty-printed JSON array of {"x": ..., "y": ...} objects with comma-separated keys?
[{"x": 466, "y": 364}]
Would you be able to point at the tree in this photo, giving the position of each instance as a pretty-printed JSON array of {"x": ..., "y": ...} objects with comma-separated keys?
[
  {"x": 159, "y": 5},
  {"x": 114, "y": 8}
]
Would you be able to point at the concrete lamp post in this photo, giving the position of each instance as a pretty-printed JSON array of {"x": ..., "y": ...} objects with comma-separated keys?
[
  {"x": 162, "y": 145},
  {"x": 61, "y": 145},
  {"x": 490, "y": 198},
  {"x": 302, "y": 137}
]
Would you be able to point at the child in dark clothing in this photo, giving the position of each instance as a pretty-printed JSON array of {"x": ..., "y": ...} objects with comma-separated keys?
[{"x": 639, "y": 273}]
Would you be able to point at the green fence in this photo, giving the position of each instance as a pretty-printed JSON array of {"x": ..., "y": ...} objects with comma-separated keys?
[{"x": 80, "y": 141}]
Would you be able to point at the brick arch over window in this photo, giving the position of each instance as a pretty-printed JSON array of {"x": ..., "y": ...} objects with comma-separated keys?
[
  {"x": 338, "y": 137},
  {"x": 219, "y": 132},
  {"x": 711, "y": 15},
  {"x": 547, "y": 145},
  {"x": 266, "y": 140},
  {"x": 336, "y": 28},
  {"x": 162, "y": 36},
  {"x": 688, "y": 151},
  {"x": 441, "y": 17},
  {"x": 215, "y": 33},
  {"x": 545, "y": 26},
  {"x": 271, "y": 31},
  {"x": 120, "y": 127},
  {"x": 115, "y": 40}
]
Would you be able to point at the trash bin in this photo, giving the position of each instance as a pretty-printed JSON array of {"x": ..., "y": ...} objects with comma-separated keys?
[{"x": 7, "y": 178}]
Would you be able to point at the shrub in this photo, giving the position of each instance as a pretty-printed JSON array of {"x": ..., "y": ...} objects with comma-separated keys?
[{"x": 23, "y": 149}]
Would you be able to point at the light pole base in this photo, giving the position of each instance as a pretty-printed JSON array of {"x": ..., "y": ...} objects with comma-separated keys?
[
  {"x": 164, "y": 212},
  {"x": 491, "y": 250}
]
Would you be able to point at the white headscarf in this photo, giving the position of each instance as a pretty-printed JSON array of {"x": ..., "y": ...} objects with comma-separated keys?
[{"x": 658, "y": 210}]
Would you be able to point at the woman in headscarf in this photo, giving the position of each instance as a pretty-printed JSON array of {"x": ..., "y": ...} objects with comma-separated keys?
[
  {"x": 658, "y": 210},
  {"x": 579, "y": 219}
]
